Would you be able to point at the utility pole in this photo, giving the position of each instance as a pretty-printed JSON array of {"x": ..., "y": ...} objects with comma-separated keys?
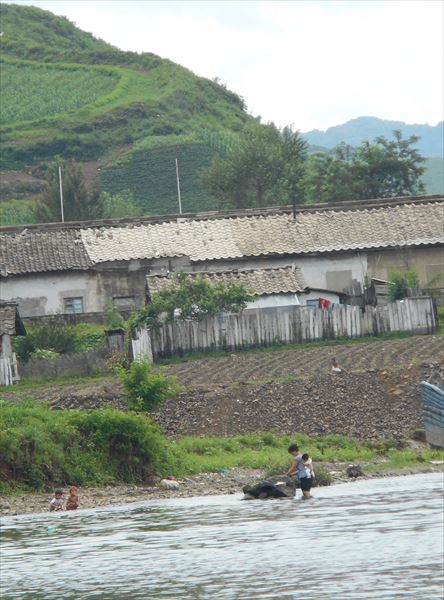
[
  {"x": 61, "y": 194},
  {"x": 178, "y": 186}
]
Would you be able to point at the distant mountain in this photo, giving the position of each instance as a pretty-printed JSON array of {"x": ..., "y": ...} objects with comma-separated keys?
[{"x": 353, "y": 132}]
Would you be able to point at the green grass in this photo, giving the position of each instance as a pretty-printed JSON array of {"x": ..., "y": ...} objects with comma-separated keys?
[
  {"x": 32, "y": 91},
  {"x": 17, "y": 212},
  {"x": 40, "y": 448},
  {"x": 268, "y": 451}
]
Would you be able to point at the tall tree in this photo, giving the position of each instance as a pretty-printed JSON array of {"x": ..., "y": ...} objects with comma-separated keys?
[
  {"x": 389, "y": 168},
  {"x": 264, "y": 166},
  {"x": 79, "y": 203},
  {"x": 382, "y": 169}
]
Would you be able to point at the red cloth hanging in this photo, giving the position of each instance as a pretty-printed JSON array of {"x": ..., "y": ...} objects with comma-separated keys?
[{"x": 324, "y": 303}]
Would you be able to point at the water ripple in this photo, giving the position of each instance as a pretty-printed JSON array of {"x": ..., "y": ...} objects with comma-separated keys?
[{"x": 370, "y": 539}]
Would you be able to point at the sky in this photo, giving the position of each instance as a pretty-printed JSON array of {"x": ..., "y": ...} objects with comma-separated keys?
[{"x": 308, "y": 64}]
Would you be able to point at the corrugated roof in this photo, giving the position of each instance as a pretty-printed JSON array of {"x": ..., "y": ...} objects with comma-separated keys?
[
  {"x": 257, "y": 281},
  {"x": 223, "y": 237}
]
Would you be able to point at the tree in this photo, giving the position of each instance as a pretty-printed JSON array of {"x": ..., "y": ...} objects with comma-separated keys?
[
  {"x": 383, "y": 169},
  {"x": 389, "y": 168},
  {"x": 263, "y": 166},
  {"x": 191, "y": 298},
  {"x": 330, "y": 176},
  {"x": 79, "y": 204}
]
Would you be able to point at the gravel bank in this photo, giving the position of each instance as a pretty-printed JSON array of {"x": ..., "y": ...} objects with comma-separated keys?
[{"x": 205, "y": 484}]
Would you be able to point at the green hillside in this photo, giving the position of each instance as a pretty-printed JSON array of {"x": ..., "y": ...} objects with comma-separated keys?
[
  {"x": 125, "y": 117},
  {"x": 66, "y": 93},
  {"x": 33, "y": 91}
]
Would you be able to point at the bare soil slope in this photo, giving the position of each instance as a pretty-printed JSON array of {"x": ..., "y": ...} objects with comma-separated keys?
[{"x": 286, "y": 390}]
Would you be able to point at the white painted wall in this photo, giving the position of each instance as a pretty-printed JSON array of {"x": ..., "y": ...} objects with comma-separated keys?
[
  {"x": 314, "y": 269},
  {"x": 272, "y": 300},
  {"x": 46, "y": 291}
]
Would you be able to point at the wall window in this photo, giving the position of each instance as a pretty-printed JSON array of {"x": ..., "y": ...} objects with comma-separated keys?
[{"x": 73, "y": 306}]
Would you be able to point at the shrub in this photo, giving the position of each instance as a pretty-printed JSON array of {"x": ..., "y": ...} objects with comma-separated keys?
[
  {"x": 89, "y": 337},
  {"x": 146, "y": 386},
  {"x": 61, "y": 339},
  {"x": 44, "y": 354},
  {"x": 403, "y": 284},
  {"x": 40, "y": 448},
  {"x": 49, "y": 336}
]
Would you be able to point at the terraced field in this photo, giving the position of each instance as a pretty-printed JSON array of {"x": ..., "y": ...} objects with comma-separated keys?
[
  {"x": 33, "y": 91},
  {"x": 281, "y": 365}
]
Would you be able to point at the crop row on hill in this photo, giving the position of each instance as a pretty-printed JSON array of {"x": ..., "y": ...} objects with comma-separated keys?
[
  {"x": 17, "y": 212},
  {"x": 151, "y": 176},
  {"x": 32, "y": 92}
]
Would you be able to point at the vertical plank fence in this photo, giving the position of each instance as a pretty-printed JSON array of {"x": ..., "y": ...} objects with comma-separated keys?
[
  {"x": 285, "y": 325},
  {"x": 141, "y": 346}
]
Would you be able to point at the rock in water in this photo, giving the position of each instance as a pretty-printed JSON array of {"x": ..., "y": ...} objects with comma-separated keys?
[
  {"x": 355, "y": 471},
  {"x": 273, "y": 487}
]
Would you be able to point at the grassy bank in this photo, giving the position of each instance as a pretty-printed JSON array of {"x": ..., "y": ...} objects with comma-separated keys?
[
  {"x": 269, "y": 452},
  {"x": 41, "y": 449}
]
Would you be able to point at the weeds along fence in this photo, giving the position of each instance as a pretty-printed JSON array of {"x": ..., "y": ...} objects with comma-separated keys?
[{"x": 289, "y": 325}]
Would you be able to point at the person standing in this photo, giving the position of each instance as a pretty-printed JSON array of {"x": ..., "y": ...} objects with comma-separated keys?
[{"x": 299, "y": 468}]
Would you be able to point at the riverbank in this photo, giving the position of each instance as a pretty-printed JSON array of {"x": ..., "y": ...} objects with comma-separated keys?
[{"x": 230, "y": 481}]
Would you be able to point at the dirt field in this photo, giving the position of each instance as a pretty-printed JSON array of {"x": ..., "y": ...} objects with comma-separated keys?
[
  {"x": 286, "y": 391},
  {"x": 306, "y": 363}
]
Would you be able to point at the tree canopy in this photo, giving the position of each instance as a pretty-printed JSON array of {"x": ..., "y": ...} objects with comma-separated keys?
[
  {"x": 191, "y": 299},
  {"x": 263, "y": 166},
  {"x": 382, "y": 169},
  {"x": 79, "y": 203}
]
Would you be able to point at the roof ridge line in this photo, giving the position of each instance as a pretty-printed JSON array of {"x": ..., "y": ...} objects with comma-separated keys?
[{"x": 353, "y": 205}]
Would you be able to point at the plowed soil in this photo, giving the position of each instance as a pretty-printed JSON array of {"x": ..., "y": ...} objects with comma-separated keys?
[{"x": 286, "y": 391}]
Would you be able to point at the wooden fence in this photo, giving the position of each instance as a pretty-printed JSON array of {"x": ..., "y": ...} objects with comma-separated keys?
[
  {"x": 286, "y": 325},
  {"x": 8, "y": 370}
]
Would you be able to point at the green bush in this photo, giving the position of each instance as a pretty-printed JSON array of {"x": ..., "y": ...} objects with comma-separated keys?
[
  {"x": 146, "y": 386},
  {"x": 89, "y": 337},
  {"x": 60, "y": 339},
  {"x": 44, "y": 354},
  {"x": 49, "y": 336},
  {"x": 402, "y": 283},
  {"x": 40, "y": 448}
]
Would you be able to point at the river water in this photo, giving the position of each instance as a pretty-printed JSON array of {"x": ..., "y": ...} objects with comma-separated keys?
[{"x": 379, "y": 539}]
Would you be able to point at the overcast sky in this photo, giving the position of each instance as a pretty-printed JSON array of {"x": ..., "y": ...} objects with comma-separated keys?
[{"x": 312, "y": 64}]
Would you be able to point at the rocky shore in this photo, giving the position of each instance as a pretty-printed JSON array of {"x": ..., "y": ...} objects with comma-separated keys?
[{"x": 205, "y": 484}]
